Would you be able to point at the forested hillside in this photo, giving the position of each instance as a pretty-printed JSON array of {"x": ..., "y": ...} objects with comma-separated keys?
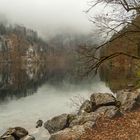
[
  {"x": 123, "y": 68},
  {"x": 19, "y": 44}
]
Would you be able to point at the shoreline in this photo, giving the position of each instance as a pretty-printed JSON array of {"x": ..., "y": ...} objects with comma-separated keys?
[{"x": 100, "y": 109}]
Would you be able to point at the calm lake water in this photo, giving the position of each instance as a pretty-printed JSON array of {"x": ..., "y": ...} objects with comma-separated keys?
[{"x": 34, "y": 92}]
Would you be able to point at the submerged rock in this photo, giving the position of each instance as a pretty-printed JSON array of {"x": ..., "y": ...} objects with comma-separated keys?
[
  {"x": 129, "y": 100},
  {"x": 39, "y": 123},
  {"x": 102, "y": 99},
  {"x": 57, "y": 123}
]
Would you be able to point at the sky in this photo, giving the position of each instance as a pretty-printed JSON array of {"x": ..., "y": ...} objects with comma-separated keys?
[{"x": 47, "y": 16}]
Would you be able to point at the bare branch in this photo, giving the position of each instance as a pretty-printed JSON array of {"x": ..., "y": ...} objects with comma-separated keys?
[
  {"x": 95, "y": 66},
  {"x": 114, "y": 24}
]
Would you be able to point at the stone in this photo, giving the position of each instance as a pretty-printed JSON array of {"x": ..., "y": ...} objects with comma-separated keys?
[
  {"x": 102, "y": 99},
  {"x": 129, "y": 100},
  {"x": 14, "y": 133},
  {"x": 7, "y": 137},
  {"x": 20, "y": 132},
  {"x": 83, "y": 118},
  {"x": 105, "y": 111},
  {"x": 108, "y": 111},
  {"x": 73, "y": 133},
  {"x": 28, "y": 137},
  {"x": 39, "y": 123},
  {"x": 57, "y": 123},
  {"x": 85, "y": 107}
]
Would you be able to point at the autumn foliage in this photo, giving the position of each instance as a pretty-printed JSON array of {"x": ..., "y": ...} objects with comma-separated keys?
[{"x": 126, "y": 127}]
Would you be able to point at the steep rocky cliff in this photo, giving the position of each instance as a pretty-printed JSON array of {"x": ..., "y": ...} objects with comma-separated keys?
[{"x": 19, "y": 44}]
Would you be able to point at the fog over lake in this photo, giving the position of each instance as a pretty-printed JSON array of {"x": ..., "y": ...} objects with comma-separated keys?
[
  {"x": 41, "y": 72},
  {"x": 48, "y": 17},
  {"x": 23, "y": 107}
]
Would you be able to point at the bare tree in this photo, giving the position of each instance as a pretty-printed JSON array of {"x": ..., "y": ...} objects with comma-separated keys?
[
  {"x": 115, "y": 16},
  {"x": 128, "y": 5}
]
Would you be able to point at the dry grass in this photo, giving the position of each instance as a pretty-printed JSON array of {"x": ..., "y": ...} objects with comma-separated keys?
[{"x": 121, "y": 128}]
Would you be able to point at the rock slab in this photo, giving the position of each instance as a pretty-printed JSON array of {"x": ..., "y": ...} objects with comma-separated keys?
[
  {"x": 57, "y": 123},
  {"x": 102, "y": 99}
]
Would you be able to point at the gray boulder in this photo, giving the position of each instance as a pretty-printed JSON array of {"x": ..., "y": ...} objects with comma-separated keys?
[
  {"x": 14, "y": 133},
  {"x": 57, "y": 123},
  {"x": 105, "y": 111},
  {"x": 108, "y": 111},
  {"x": 129, "y": 100},
  {"x": 85, "y": 107},
  {"x": 83, "y": 118},
  {"x": 102, "y": 99},
  {"x": 19, "y": 132},
  {"x": 73, "y": 133}
]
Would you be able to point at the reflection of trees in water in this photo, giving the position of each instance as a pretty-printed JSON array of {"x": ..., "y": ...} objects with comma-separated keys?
[{"x": 18, "y": 80}]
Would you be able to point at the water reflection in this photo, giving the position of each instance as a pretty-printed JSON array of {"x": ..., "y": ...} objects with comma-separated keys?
[
  {"x": 20, "y": 80},
  {"x": 50, "y": 91}
]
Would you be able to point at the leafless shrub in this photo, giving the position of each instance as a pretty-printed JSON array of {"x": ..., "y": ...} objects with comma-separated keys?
[{"x": 76, "y": 102}]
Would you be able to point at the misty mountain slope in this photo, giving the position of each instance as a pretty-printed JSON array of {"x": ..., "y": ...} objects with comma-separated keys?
[{"x": 19, "y": 44}]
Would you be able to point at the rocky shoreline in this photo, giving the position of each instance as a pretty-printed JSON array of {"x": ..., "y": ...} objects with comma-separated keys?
[{"x": 73, "y": 126}]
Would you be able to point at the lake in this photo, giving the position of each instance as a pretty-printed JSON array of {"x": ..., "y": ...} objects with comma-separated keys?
[{"x": 32, "y": 92}]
